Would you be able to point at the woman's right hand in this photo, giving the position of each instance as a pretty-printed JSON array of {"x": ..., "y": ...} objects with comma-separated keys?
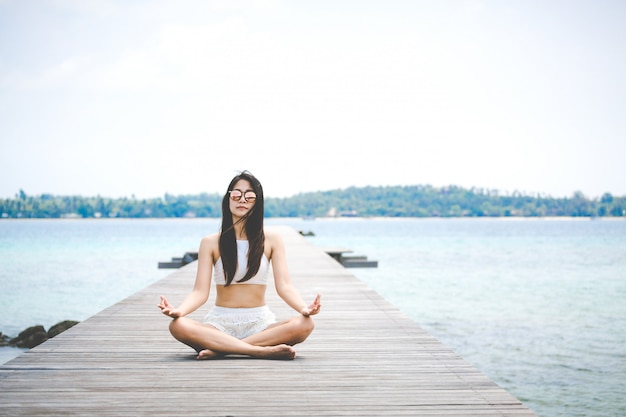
[{"x": 168, "y": 309}]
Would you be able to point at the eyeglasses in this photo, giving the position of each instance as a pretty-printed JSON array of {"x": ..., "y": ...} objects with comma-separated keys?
[{"x": 248, "y": 196}]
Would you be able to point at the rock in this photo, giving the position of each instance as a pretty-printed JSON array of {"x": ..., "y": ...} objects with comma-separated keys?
[
  {"x": 4, "y": 340},
  {"x": 36, "y": 335},
  {"x": 61, "y": 327},
  {"x": 30, "y": 337}
]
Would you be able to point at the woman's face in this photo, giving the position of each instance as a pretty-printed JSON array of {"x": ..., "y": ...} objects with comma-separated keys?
[{"x": 241, "y": 199}]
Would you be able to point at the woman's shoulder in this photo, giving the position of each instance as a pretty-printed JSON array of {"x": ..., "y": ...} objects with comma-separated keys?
[
  {"x": 211, "y": 241},
  {"x": 273, "y": 238},
  {"x": 210, "y": 247}
]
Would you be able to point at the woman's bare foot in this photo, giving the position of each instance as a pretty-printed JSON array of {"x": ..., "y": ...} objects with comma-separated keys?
[
  {"x": 265, "y": 352},
  {"x": 277, "y": 352},
  {"x": 208, "y": 354}
]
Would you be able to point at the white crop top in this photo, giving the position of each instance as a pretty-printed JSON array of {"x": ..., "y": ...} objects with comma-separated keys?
[{"x": 242, "y": 266}]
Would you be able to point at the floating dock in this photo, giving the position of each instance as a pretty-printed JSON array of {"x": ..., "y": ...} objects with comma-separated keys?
[
  {"x": 350, "y": 261},
  {"x": 175, "y": 263},
  {"x": 365, "y": 358}
]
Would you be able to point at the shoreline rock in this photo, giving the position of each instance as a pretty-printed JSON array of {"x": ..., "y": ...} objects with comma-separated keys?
[
  {"x": 36, "y": 335},
  {"x": 60, "y": 327}
]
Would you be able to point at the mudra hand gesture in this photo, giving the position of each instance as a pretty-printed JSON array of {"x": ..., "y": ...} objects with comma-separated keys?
[
  {"x": 168, "y": 309},
  {"x": 313, "y": 308}
]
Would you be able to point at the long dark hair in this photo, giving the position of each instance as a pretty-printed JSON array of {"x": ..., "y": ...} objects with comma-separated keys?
[{"x": 253, "y": 224}]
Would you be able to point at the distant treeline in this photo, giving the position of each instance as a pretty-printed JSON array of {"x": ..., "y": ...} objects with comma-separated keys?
[{"x": 390, "y": 201}]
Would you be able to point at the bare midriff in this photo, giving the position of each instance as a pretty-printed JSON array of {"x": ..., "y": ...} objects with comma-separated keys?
[{"x": 240, "y": 295}]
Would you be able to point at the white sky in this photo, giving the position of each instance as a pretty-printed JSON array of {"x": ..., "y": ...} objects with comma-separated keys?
[{"x": 143, "y": 97}]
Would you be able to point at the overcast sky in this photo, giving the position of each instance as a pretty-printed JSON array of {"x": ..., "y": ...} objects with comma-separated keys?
[{"x": 119, "y": 98}]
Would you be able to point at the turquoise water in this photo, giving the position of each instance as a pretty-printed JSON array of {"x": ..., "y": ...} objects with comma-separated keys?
[
  {"x": 537, "y": 305},
  {"x": 52, "y": 270}
]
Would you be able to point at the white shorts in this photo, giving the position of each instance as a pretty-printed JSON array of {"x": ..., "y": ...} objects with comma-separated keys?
[{"x": 240, "y": 322}]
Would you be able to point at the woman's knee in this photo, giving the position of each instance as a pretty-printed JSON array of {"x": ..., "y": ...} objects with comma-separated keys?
[
  {"x": 179, "y": 327},
  {"x": 303, "y": 327},
  {"x": 308, "y": 325}
]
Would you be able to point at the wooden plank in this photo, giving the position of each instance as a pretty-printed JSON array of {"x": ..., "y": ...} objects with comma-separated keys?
[{"x": 365, "y": 358}]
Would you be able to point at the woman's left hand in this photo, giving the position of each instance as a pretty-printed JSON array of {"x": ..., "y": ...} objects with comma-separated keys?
[{"x": 313, "y": 308}]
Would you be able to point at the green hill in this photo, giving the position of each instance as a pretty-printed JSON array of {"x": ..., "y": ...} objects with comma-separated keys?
[{"x": 389, "y": 201}]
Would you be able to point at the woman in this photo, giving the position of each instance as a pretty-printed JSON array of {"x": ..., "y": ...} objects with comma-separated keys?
[{"x": 238, "y": 260}]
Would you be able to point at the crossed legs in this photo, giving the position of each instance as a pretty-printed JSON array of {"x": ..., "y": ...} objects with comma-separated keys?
[{"x": 275, "y": 342}]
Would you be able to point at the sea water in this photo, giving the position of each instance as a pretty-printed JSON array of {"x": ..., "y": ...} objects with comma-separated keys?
[{"x": 537, "y": 305}]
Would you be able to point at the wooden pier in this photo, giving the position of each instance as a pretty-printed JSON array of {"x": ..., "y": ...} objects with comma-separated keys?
[{"x": 365, "y": 358}]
